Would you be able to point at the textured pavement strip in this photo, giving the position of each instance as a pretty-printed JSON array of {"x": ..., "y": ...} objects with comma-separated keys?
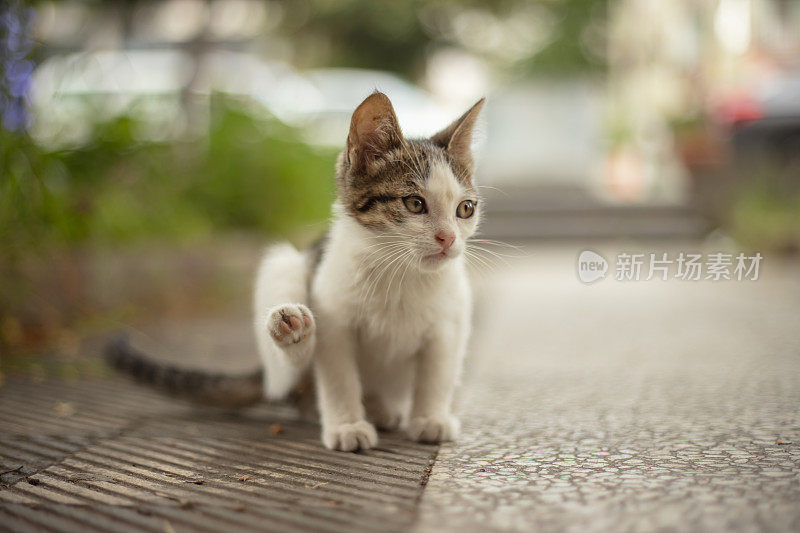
[
  {"x": 637, "y": 406},
  {"x": 109, "y": 456}
]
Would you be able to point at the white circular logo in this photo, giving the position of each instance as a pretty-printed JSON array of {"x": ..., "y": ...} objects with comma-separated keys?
[{"x": 591, "y": 266}]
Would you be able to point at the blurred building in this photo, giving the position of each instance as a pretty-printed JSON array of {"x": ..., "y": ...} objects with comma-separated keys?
[{"x": 683, "y": 76}]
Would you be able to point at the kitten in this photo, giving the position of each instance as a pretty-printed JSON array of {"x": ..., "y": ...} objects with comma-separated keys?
[
  {"x": 380, "y": 313},
  {"x": 377, "y": 314}
]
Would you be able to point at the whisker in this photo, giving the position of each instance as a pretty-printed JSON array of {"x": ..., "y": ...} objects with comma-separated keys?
[
  {"x": 379, "y": 252},
  {"x": 393, "y": 275},
  {"x": 491, "y": 242},
  {"x": 501, "y": 191},
  {"x": 463, "y": 174},
  {"x": 414, "y": 172},
  {"x": 370, "y": 286},
  {"x": 383, "y": 270},
  {"x": 418, "y": 163},
  {"x": 478, "y": 262},
  {"x": 501, "y": 257},
  {"x": 488, "y": 255},
  {"x": 383, "y": 258},
  {"x": 488, "y": 259},
  {"x": 388, "y": 235},
  {"x": 377, "y": 267},
  {"x": 405, "y": 271}
]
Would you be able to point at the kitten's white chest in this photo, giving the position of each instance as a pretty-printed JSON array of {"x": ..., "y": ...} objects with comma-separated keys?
[
  {"x": 396, "y": 327},
  {"x": 393, "y": 332}
]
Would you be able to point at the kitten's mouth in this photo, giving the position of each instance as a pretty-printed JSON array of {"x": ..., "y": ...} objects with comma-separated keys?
[{"x": 441, "y": 256}]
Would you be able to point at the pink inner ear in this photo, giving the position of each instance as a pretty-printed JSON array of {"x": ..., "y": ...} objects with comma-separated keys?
[{"x": 365, "y": 127}]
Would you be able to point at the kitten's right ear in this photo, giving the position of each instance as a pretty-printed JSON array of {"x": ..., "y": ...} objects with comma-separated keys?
[
  {"x": 374, "y": 130},
  {"x": 457, "y": 137}
]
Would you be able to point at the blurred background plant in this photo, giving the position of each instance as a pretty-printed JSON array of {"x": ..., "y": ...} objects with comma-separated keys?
[
  {"x": 148, "y": 149},
  {"x": 248, "y": 172}
]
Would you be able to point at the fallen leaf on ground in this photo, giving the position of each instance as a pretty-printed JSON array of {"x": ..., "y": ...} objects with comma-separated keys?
[
  {"x": 184, "y": 503},
  {"x": 275, "y": 429},
  {"x": 65, "y": 409}
]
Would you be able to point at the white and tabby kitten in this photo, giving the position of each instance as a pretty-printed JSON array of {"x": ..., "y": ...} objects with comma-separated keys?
[{"x": 380, "y": 313}]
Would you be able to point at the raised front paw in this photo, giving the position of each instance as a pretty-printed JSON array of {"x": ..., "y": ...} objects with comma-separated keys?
[
  {"x": 360, "y": 435},
  {"x": 290, "y": 324},
  {"x": 433, "y": 429}
]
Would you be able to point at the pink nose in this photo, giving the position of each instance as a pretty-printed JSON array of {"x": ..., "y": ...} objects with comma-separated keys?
[{"x": 446, "y": 239}]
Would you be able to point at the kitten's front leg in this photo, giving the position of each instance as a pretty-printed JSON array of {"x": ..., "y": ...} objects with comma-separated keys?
[
  {"x": 438, "y": 367},
  {"x": 344, "y": 426}
]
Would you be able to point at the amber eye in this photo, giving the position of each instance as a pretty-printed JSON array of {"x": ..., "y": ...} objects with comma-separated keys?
[
  {"x": 465, "y": 209},
  {"x": 415, "y": 204}
]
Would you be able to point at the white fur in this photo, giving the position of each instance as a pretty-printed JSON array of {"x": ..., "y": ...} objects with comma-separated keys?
[
  {"x": 281, "y": 280},
  {"x": 391, "y": 326}
]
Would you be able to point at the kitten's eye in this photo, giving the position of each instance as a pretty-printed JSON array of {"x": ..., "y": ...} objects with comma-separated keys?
[
  {"x": 465, "y": 209},
  {"x": 415, "y": 204}
]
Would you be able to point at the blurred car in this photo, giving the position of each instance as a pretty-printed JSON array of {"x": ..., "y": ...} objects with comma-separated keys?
[
  {"x": 319, "y": 102},
  {"x": 339, "y": 91},
  {"x": 766, "y": 121}
]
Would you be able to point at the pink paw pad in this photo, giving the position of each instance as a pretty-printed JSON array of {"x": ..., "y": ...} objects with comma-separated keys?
[{"x": 290, "y": 324}]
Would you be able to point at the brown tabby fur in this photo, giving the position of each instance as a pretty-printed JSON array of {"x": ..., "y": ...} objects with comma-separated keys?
[{"x": 378, "y": 167}]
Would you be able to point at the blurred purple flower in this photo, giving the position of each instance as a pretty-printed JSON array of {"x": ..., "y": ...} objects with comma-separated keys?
[
  {"x": 16, "y": 71},
  {"x": 15, "y": 118},
  {"x": 18, "y": 76}
]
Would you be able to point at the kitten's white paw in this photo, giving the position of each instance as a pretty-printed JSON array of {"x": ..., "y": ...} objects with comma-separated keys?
[
  {"x": 433, "y": 429},
  {"x": 292, "y": 328},
  {"x": 350, "y": 437}
]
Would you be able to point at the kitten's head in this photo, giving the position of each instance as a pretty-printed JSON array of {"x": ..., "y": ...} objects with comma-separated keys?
[{"x": 415, "y": 192}]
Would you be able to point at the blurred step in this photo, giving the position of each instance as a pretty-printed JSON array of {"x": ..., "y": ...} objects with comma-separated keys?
[{"x": 573, "y": 214}]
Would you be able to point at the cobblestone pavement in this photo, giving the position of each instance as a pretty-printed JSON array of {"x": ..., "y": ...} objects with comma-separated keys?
[{"x": 637, "y": 406}]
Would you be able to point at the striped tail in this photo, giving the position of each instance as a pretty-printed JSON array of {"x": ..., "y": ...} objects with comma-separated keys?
[{"x": 200, "y": 387}]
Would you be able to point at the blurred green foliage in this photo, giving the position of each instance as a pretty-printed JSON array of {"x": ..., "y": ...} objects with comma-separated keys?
[
  {"x": 393, "y": 36},
  {"x": 63, "y": 210},
  {"x": 246, "y": 173},
  {"x": 382, "y": 34},
  {"x": 765, "y": 217},
  {"x": 578, "y": 38}
]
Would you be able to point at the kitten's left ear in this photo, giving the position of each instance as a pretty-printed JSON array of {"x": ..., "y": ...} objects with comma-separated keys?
[
  {"x": 374, "y": 130},
  {"x": 457, "y": 137}
]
